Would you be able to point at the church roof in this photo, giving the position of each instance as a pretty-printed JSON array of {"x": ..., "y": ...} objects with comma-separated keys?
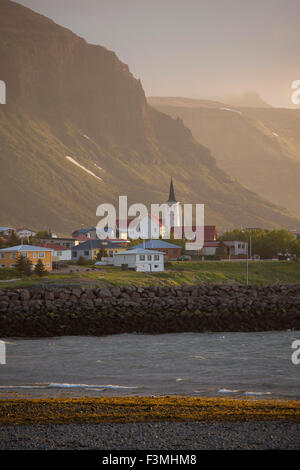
[{"x": 171, "y": 193}]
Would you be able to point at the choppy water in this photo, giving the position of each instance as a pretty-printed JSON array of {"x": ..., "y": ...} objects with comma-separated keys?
[{"x": 196, "y": 364}]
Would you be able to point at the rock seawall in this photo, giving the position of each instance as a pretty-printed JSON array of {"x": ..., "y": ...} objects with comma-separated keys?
[{"x": 59, "y": 310}]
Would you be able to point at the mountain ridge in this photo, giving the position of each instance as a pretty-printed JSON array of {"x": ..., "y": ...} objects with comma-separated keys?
[
  {"x": 260, "y": 147},
  {"x": 68, "y": 98}
]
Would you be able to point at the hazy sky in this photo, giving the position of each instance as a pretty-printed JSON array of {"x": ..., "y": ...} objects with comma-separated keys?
[{"x": 193, "y": 48}]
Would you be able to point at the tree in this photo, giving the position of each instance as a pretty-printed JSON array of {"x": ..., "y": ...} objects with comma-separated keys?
[
  {"x": 39, "y": 268},
  {"x": 20, "y": 264},
  {"x": 13, "y": 239},
  {"x": 23, "y": 265},
  {"x": 294, "y": 247},
  {"x": 135, "y": 242},
  {"x": 100, "y": 253},
  {"x": 81, "y": 261},
  {"x": 221, "y": 251},
  {"x": 266, "y": 244},
  {"x": 3, "y": 243},
  {"x": 43, "y": 233}
]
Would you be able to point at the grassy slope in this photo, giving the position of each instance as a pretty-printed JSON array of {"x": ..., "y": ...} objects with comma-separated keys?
[
  {"x": 258, "y": 146},
  {"x": 180, "y": 273}
]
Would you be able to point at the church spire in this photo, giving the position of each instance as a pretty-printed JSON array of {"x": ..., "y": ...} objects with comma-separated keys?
[{"x": 172, "y": 198}]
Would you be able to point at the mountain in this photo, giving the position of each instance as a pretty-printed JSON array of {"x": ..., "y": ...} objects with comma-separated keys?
[
  {"x": 258, "y": 146},
  {"x": 245, "y": 100},
  {"x": 77, "y": 131}
]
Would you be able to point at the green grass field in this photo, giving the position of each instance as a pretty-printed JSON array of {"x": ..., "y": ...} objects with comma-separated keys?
[{"x": 178, "y": 273}]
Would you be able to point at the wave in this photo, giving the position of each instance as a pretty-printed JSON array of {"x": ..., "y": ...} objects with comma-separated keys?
[
  {"x": 70, "y": 386},
  {"x": 247, "y": 393}
]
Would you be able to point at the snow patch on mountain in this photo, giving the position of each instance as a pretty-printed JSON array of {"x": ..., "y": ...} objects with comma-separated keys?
[
  {"x": 232, "y": 110},
  {"x": 71, "y": 159}
]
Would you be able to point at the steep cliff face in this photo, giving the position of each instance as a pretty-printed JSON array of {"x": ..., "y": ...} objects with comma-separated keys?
[
  {"x": 56, "y": 75},
  {"x": 67, "y": 98}
]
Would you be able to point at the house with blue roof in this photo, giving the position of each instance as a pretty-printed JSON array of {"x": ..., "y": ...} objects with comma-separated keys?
[
  {"x": 91, "y": 248},
  {"x": 170, "y": 250}
]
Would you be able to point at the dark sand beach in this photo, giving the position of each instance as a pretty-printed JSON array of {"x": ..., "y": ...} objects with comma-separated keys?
[{"x": 158, "y": 436}]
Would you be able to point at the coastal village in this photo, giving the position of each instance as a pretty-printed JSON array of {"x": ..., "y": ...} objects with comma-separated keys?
[{"x": 118, "y": 249}]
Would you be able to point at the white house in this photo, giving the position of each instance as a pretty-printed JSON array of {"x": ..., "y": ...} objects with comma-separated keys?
[
  {"x": 140, "y": 259},
  {"x": 234, "y": 248},
  {"x": 25, "y": 233},
  {"x": 6, "y": 231},
  {"x": 59, "y": 252}
]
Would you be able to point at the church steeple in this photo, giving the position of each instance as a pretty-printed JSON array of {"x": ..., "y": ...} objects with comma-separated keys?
[{"x": 172, "y": 198}]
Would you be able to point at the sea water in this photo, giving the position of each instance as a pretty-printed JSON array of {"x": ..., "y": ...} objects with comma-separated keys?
[{"x": 195, "y": 364}]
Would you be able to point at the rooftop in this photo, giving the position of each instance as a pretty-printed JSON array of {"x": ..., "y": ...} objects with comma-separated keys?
[
  {"x": 54, "y": 246},
  {"x": 96, "y": 243},
  {"x": 26, "y": 248},
  {"x": 138, "y": 251},
  {"x": 150, "y": 244}
]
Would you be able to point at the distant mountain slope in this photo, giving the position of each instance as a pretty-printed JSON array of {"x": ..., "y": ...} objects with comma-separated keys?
[
  {"x": 258, "y": 146},
  {"x": 245, "y": 100},
  {"x": 77, "y": 131}
]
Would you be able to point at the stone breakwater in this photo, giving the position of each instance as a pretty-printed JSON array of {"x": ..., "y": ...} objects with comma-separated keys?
[{"x": 59, "y": 310}]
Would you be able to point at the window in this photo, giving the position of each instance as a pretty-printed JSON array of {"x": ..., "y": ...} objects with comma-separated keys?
[
  {"x": 156, "y": 265},
  {"x": 59, "y": 253},
  {"x": 74, "y": 254},
  {"x": 2, "y": 256},
  {"x": 41, "y": 254},
  {"x": 12, "y": 255},
  {"x": 142, "y": 257},
  {"x": 86, "y": 253},
  {"x": 156, "y": 257},
  {"x": 149, "y": 257},
  {"x": 12, "y": 265},
  {"x": 3, "y": 266},
  {"x": 48, "y": 265},
  {"x": 34, "y": 255}
]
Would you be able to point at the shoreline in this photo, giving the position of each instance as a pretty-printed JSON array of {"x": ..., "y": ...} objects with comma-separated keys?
[{"x": 145, "y": 410}]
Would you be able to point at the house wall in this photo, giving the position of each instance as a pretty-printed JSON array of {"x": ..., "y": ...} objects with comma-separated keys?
[
  {"x": 171, "y": 253},
  {"x": 135, "y": 262},
  {"x": 84, "y": 253},
  {"x": 209, "y": 250},
  {"x": 118, "y": 260},
  {"x": 63, "y": 255},
  {"x": 108, "y": 251},
  {"x": 91, "y": 254}
]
